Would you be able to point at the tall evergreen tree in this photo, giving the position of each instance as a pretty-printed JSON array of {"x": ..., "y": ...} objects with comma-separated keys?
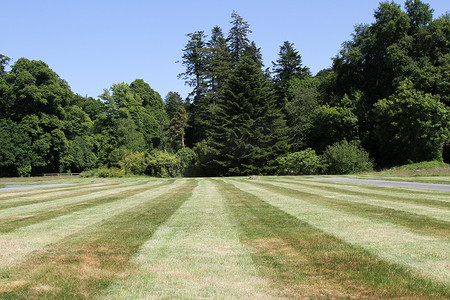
[
  {"x": 219, "y": 64},
  {"x": 173, "y": 101},
  {"x": 289, "y": 65},
  {"x": 238, "y": 40},
  {"x": 250, "y": 131},
  {"x": 194, "y": 59},
  {"x": 177, "y": 128},
  {"x": 286, "y": 69}
]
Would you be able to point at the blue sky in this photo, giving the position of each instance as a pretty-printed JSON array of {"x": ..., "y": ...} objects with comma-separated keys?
[{"x": 93, "y": 44}]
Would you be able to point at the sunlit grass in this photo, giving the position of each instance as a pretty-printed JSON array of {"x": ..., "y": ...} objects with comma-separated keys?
[
  {"x": 81, "y": 265},
  {"x": 428, "y": 255},
  {"x": 17, "y": 245},
  {"x": 223, "y": 238},
  {"x": 435, "y": 205},
  {"x": 71, "y": 204},
  {"x": 196, "y": 254},
  {"x": 311, "y": 262}
]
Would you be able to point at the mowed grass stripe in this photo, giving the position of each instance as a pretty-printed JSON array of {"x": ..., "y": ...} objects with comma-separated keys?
[
  {"x": 428, "y": 255},
  {"x": 368, "y": 208},
  {"x": 78, "y": 191},
  {"x": 81, "y": 265},
  {"x": 15, "y": 246},
  {"x": 195, "y": 254},
  {"x": 18, "y": 194},
  {"x": 440, "y": 212},
  {"x": 16, "y": 221},
  {"x": 59, "y": 203},
  {"x": 402, "y": 195},
  {"x": 306, "y": 262}
]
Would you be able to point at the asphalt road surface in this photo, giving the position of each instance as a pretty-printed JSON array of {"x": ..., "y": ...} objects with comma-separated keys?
[{"x": 400, "y": 184}]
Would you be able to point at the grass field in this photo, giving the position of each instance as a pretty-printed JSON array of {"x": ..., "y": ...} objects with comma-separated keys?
[{"x": 223, "y": 238}]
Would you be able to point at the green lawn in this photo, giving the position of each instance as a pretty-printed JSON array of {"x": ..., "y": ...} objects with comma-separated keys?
[{"x": 223, "y": 238}]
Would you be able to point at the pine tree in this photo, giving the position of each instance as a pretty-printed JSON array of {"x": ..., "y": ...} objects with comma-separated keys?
[
  {"x": 219, "y": 64},
  {"x": 238, "y": 40},
  {"x": 195, "y": 59},
  {"x": 287, "y": 68},
  {"x": 250, "y": 131},
  {"x": 289, "y": 64}
]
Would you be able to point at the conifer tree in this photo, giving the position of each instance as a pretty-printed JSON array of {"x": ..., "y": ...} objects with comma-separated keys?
[
  {"x": 195, "y": 59},
  {"x": 219, "y": 64},
  {"x": 287, "y": 68},
  {"x": 238, "y": 40},
  {"x": 250, "y": 131}
]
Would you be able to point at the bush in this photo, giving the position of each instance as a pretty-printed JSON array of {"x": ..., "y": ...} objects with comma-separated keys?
[
  {"x": 163, "y": 164},
  {"x": 305, "y": 162},
  {"x": 89, "y": 173},
  {"x": 347, "y": 158},
  {"x": 203, "y": 160},
  {"x": 186, "y": 157},
  {"x": 110, "y": 172},
  {"x": 134, "y": 162}
]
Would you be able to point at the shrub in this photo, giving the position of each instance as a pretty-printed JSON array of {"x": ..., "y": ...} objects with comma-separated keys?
[
  {"x": 163, "y": 164},
  {"x": 134, "y": 162},
  {"x": 110, "y": 172},
  {"x": 186, "y": 157},
  {"x": 305, "y": 162},
  {"x": 89, "y": 173},
  {"x": 203, "y": 160},
  {"x": 347, "y": 158}
]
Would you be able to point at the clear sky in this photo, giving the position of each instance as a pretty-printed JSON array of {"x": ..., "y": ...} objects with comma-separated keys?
[{"x": 92, "y": 44}]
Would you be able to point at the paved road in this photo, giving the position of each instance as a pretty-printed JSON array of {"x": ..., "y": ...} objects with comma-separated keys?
[
  {"x": 14, "y": 187},
  {"x": 401, "y": 184}
]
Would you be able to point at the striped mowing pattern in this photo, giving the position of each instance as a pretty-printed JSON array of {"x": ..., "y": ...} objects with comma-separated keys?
[
  {"x": 224, "y": 238},
  {"x": 427, "y": 254}
]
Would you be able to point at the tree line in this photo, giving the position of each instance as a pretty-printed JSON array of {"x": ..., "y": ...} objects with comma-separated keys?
[{"x": 384, "y": 102}]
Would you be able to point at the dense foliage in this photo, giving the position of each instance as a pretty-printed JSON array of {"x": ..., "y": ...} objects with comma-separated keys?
[
  {"x": 346, "y": 157},
  {"x": 387, "y": 91},
  {"x": 305, "y": 162}
]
